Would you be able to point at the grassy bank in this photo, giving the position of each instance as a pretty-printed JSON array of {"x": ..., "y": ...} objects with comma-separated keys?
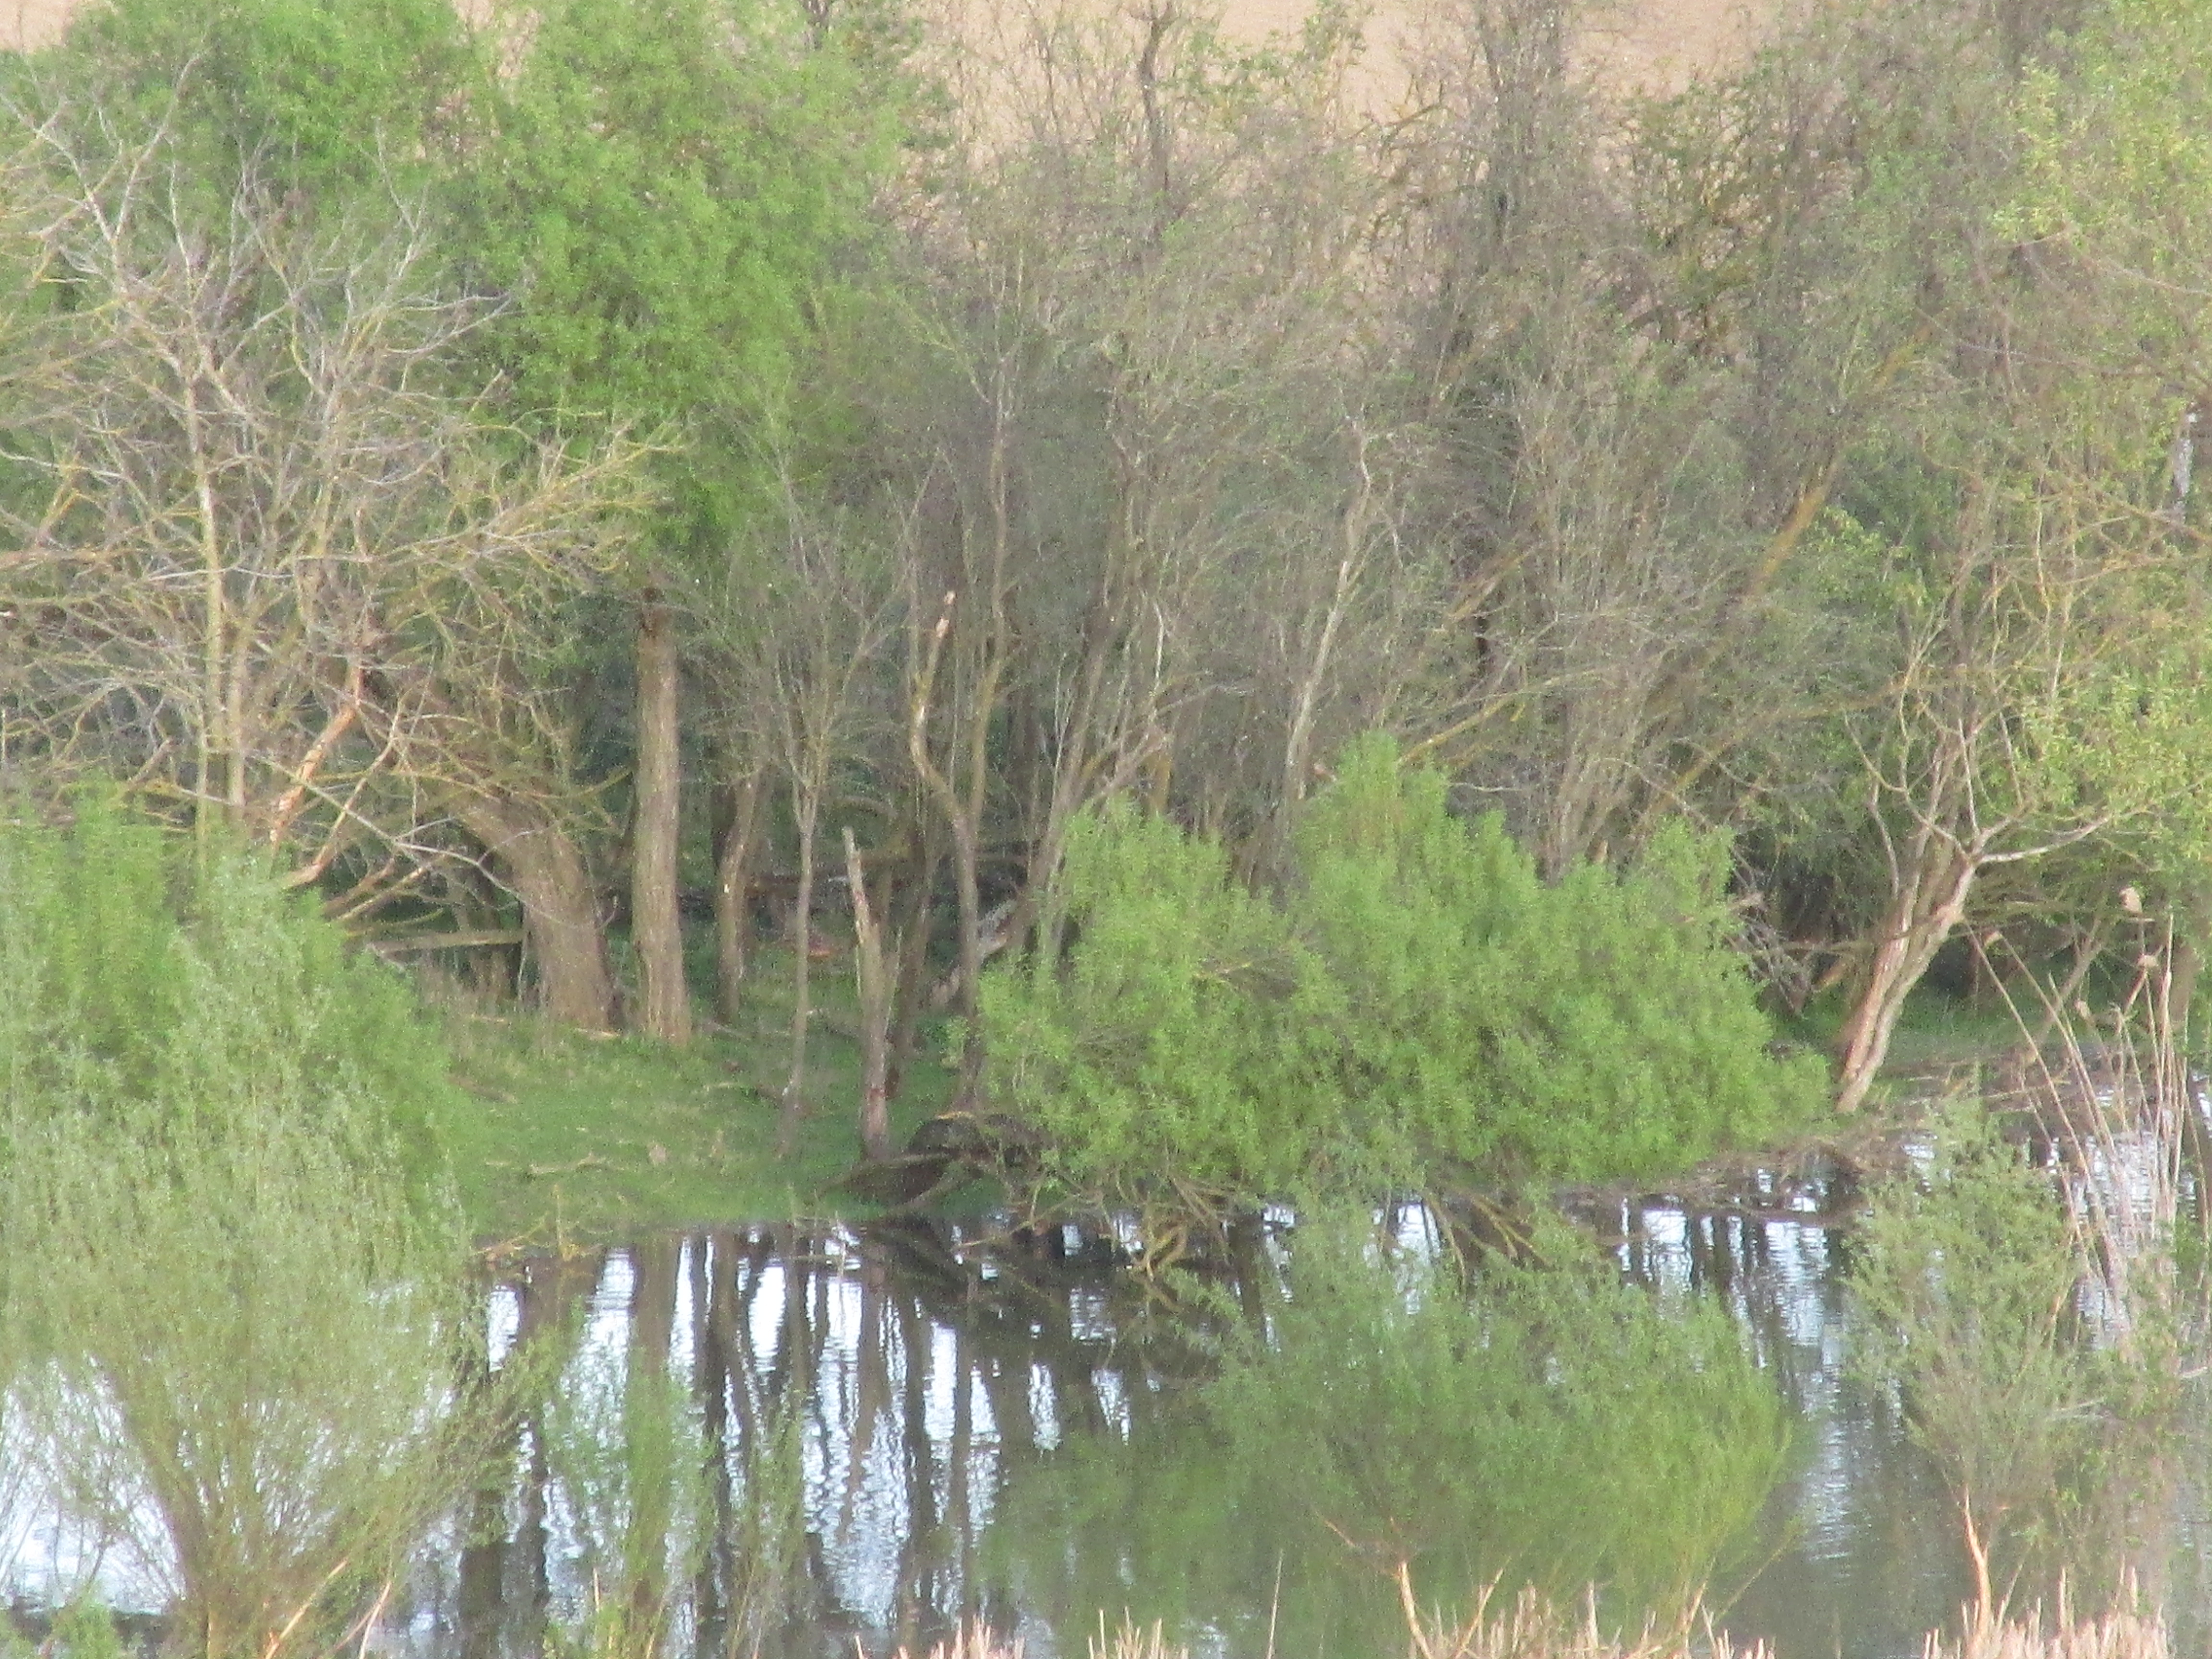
[{"x": 559, "y": 1135}]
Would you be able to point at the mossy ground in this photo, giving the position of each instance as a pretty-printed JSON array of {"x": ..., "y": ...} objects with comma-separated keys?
[{"x": 560, "y": 1136}]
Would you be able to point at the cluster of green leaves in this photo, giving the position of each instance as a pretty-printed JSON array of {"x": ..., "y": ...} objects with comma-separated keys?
[
  {"x": 1188, "y": 1041},
  {"x": 1594, "y": 1025},
  {"x": 143, "y": 992},
  {"x": 654, "y": 191},
  {"x": 1419, "y": 1003},
  {"x": 670, "y": 180},
  {"x": 329, "y": 101}
]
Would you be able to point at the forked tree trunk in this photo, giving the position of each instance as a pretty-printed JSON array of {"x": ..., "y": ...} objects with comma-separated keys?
[
  {"x": 1927, "y": 908},
  {"x": 656, "y": 929},
  {"x": 545, "y": 870},
  {"x": 874, "y": 978}
]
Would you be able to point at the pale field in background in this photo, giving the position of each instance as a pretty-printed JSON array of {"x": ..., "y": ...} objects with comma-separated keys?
[
  {"x": 1652, "y": 43},
  {"x": 28, "y": 23}
]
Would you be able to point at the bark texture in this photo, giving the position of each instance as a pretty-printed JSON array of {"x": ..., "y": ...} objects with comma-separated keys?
[
  {"x": 664, "y": 1009},
  {"x": 873, "y": 974},
  {"x": 544, "y": 868}
]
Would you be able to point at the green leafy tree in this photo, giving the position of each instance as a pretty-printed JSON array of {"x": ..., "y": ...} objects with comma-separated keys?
[
  {"x": 330, "y": 103},
  {"x": 668, "y": 187}
]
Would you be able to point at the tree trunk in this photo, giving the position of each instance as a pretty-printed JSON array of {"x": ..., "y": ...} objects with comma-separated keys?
[
  {"x": 875, "y": 989},
  {"x": 733, "y": 910},
  {"x": 807, "y": 801},
  {"x": 2191, "y": 939},
  {"x": 1927, "y": 908},
  {"x": 966, "y": 883},
  {"x": 914, "y": 929},
  {"x": 655, "y": 928},
  {"x": 545, "y": 870}
]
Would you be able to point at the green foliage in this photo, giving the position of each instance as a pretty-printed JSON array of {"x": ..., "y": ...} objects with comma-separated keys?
[
  {"x": 1965, "y": 1285},
  {"x": 1545, "y": 1421},
  {"x": 1421, "y": 1003},
  {"x": 2118, "y": 161},
  {"x": 135, "y": 991},
  {"x": 89, "y": 973},
  {"x": 1187, "y": 1038},
  {"x": 332, "y": 99},
  {"x": 247, "y": 1311},
  {"x": 667, "y": 184},
  {"x": 1600, "y": 1024}
]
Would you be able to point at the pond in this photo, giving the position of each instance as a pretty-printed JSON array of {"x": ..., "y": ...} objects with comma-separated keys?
[
  {"x": 943, "y": 1377},
  {"x": 873, "y": 1433}
]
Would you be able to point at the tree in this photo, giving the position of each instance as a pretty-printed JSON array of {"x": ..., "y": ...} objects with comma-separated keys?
[
  {"x": 327, "y": 105},
  {"x": 641, "y": 144},
  {"x": 265, "y": 566},
  {"x": 812, "y": 631},
  {"x": 2114, "y": 193}
]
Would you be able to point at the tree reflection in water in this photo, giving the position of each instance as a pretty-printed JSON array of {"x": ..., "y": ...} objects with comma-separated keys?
[{"x": 921, "y": 1385}]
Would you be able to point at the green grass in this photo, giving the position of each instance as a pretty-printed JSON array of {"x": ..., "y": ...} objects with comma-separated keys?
[
  {"x": 1937, "y": 1030},
  {"x": 560, "y": 1136}
]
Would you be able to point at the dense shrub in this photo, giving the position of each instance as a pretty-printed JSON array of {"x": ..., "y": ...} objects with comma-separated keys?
[
  {"x": 138, "y": 988},
  {"x": 1596, "y": 1025},
  {"x": 1189, "y": 1037},
  {"x": 1419, "y": 1002},
  {"x": 234, "y": 1281}
]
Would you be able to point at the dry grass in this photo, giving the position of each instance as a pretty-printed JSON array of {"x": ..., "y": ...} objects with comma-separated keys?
[
  {"x": 2117, "y": 1635},
  {"x": 1532, "y": 1628}
]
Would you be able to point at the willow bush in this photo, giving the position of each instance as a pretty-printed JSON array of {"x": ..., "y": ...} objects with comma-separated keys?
[
  {"x": 1417, "y": 1003},
  {"x": 133, "y": 980},
  {"x": 1186, "y": 1044},
  {"x": 246, "y": 1350},
  {"x": 1984, "y": 1309}
]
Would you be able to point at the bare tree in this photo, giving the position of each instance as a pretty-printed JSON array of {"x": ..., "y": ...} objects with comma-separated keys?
[
  {"x": 807, "y": 622},
  {"x": 278, "y": 573}
]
